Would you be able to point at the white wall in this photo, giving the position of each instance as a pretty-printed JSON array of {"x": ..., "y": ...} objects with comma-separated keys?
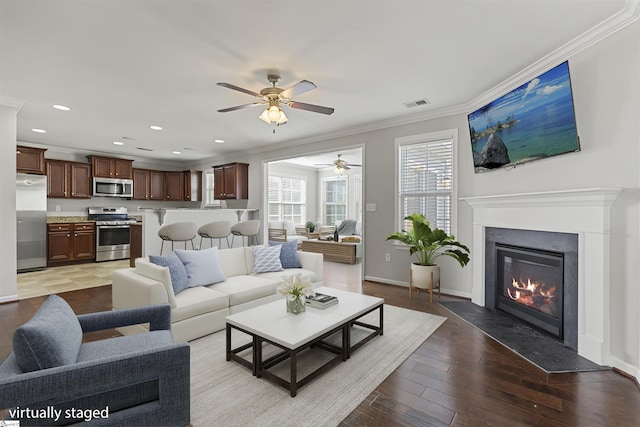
[{"x": 8, "y": 251}]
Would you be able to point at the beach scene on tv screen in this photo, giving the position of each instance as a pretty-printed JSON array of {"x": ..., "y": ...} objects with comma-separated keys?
[{"x": 534, "y": 121}]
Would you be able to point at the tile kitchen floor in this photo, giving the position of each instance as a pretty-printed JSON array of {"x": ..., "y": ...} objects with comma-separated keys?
[{"x": 67, "y": 278}]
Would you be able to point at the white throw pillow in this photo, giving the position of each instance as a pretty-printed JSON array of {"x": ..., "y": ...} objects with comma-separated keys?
[{"x": 290, "y": 227}]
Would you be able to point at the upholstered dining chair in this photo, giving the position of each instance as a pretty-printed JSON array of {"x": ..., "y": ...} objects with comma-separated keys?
[
  {"x": 248, "y": 228},
  {"x": 178, "y": 232},
  {"x": 215, "y": 230}
]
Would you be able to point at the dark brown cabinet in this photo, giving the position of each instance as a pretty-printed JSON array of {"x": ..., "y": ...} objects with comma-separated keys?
[
  {"x": 148, "y": 185},
  {"x": 68, "y": 242},
  {"x": 30, "y": 160},
  {"x": 174, "y": 185},
  {"x": 68, "y": 179},
  {"x": 107, "y": 167},
  {"x": 135, "y": 243},
  {"x": 231, "y": 181}
]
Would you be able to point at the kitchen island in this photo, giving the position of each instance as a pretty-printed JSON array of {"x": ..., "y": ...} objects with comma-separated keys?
[{"x": 155, "y": 218}]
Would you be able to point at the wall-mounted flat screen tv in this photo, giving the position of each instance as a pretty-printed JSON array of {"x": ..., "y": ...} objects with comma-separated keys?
[{"x": 533, "y": 121}]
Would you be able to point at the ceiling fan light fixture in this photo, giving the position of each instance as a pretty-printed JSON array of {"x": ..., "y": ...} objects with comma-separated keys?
[
  {"x": 338, "y": 170},
  {"x": 273, "y": 114}
]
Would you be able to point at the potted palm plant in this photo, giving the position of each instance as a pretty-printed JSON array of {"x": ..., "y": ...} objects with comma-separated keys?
[{"x": 428, "y": 245}]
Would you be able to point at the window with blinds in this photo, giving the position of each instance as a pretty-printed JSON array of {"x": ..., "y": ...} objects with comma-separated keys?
[
  {"x": 287, "y": 198},
  {"x": 426, "y": 182},
  {"x": 209, "y": 200},
  {"x": 334, "y": 200}
]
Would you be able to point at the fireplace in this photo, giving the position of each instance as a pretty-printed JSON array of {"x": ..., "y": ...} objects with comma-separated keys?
[
  {"x": 533, "y": 275},
  {"x": 529, "y": 286}
]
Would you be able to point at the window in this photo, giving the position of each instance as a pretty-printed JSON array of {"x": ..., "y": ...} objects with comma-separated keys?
[
  {"x": 334, "y": 194},
  {"x": 425, "y": 178},
  {"x": 209, "y": 200},
  {"x": 287, "y": 198}
]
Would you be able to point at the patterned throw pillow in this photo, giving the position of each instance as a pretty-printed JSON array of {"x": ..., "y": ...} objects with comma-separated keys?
[
  {"x": 267, "y": 258},
  {"x": 288, "y": 254},
  {"x": 179, "y": 277}
]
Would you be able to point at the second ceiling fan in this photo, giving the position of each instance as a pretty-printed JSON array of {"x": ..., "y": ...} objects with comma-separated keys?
[{"x": 274, "y": 97}]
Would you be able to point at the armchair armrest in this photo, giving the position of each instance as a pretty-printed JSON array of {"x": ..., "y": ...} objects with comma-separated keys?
[
  {"x": 158, "y": 316},
  {"x": 277, "y": 234}
]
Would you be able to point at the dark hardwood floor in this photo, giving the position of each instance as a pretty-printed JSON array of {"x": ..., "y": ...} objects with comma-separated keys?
[{"x": 457, "y": 377}]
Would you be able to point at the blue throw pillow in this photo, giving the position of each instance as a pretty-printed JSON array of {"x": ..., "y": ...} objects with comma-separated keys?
[
  {"x": 288, "y": 254},
  {"x": 51, "y": 338},
  {"x": 179, "y": 277},
  {"x": 203, "y": 267},
  {"x": 267, "y": 258}
]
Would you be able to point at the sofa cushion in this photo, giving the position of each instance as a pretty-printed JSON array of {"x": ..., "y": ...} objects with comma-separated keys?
[
  {"x": 280, "y": 275},
  {"x": 203, "y": 267},
  {"x": 196, "y": 301},
  {"x": 241, "y": 289},
  {"x": 51, "y": 338},
  {"x": 179, "y": 277},
  {"x": 234, "y": 261},
  {"x": 288, "y": 254},
  {"x": 266, "y": 258},
  {"x": 155, "y": 272},
  {"x": 119, "y": 346}
]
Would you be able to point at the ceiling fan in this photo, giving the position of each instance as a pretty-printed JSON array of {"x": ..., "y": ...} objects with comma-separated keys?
[
  {"x": 274, "y": 97},
  {"x": 339, "y": 165}
]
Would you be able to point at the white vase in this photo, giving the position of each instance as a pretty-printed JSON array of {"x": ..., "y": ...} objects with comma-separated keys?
[{"x": 421, "y": 276}]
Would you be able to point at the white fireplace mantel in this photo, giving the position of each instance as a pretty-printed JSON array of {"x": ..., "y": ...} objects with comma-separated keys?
[{"x": 584, "y": 212}]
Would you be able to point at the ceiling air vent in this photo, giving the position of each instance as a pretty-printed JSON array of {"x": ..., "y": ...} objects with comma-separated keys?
[
  {"x": 144, "y": 149},
  {"x": 418, "y": 103}
]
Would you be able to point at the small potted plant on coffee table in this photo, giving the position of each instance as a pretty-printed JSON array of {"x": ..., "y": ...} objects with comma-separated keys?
[{"x": 428, "y": 245}]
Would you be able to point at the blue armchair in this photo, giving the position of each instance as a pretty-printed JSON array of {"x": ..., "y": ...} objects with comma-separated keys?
[{"x": 52, "y": 378}]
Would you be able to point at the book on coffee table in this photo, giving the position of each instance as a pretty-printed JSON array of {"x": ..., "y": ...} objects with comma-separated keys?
[{"x": 321, "y": 300}]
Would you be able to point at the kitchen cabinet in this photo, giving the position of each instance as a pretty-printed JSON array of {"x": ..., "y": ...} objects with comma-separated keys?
[
  {"x": 68, "y": 179},
  {"x": 174, "y": 185},
  {"x": 148, "y": 185},
  {"x": 231, "y": 181},
  {"x": 69, "y": 242},
  {"x": 192, "y": 186},
  {"x": 107, "y": 167},
  {"x": 30, "y": 160}
]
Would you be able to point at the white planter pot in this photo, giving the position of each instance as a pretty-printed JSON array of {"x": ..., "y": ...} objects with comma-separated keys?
[{"x": 421, "y": 276}]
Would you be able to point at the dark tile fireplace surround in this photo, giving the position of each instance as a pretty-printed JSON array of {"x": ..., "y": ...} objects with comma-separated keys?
[{"x": 559, "y": 250}]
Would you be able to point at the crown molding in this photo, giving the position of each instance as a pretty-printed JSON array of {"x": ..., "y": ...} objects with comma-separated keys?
[
  {"x": 625, "y": 17},
  {"x": 11, "y": 102}
]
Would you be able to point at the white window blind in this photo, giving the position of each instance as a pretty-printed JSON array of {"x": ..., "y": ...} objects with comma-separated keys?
[
  {"x": 287, "y": 199},
  {"x": 334, "y": 194},
  {"x": 426, "y": 182}
]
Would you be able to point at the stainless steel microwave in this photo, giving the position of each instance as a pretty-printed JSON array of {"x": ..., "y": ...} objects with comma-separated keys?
[{"x": 112, "y": 187}]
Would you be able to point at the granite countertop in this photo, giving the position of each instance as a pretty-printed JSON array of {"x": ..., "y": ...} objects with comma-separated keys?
[{"x": 66, "y": 219}]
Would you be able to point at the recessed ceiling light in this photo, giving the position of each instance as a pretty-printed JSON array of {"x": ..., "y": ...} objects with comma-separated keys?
[
  {"x": 219, "y": 141},
  {"x": 118, "y": 142},
  {"x": 61, "y": 107},
  {"x": 39, "y": 130},
  {"x": 177, "y": 152},
  {"x": 155, "y": 127}
]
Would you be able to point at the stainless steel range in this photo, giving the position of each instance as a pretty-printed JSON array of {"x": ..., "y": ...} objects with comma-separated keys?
[{"x": 112, "y": 232}]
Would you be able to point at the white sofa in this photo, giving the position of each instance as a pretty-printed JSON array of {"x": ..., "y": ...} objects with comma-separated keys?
[{"x": 201, "y": 310}]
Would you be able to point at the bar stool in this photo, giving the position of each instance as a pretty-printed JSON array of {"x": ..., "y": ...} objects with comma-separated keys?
[
  {"x": 215, "y": 230},
  {"x": 246, "y": 228},
  {"x": 178, "y": 232}
]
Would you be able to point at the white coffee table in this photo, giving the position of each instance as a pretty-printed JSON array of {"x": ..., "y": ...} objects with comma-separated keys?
[{"x": 293, "y": 333}]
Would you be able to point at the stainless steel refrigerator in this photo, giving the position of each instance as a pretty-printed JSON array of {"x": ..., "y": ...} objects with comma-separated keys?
[{"x": 31, "y": 213}]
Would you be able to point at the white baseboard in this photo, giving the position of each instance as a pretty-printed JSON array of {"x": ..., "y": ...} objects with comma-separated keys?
[
  {"x": 452, "y": 292},
  {"x": 9, "y": 298}
]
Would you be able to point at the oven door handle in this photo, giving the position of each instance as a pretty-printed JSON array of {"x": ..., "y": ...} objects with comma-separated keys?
[{"x": 102, "y": 227}]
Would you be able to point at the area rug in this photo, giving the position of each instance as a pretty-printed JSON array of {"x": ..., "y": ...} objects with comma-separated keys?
[
  {"x": 226, "y": 394},
  {"x": 544, "y": 351}
]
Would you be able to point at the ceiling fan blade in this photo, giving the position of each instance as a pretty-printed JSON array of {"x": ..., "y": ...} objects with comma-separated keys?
[
  {"x": 239, "y": 107},
  {"x": 311, "y": 107},
  {"x": 238, "y": 88},
  {"x": 298, "y": 89}
]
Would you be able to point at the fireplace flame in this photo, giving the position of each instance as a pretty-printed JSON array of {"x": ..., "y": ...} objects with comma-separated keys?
[{"x": 533, "y": 294}]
